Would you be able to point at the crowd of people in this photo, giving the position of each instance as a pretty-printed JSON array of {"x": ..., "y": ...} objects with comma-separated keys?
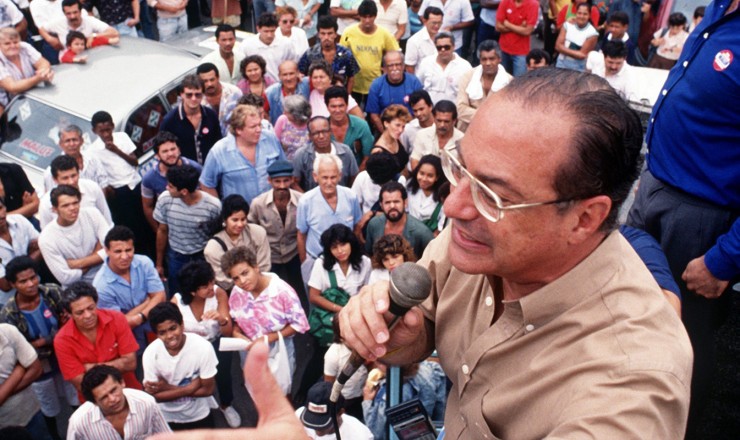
[{"x": 298, "y": 167}]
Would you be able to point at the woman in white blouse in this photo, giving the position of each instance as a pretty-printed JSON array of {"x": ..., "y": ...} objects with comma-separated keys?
[{"x": 424, "y": 201}]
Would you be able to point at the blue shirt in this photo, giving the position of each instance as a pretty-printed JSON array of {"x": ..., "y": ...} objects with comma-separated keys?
[
  {"x": 274, "y": 95},
  {"x": 315, "y": 216},
  {"x": 383, "y": 93},
  {"x": 650, "y": 252},
  {"x": 231, "y": 173},
  {"x": 694, "y": 135},
  {"x": 115, "y": 293},
  {"x": 154, "y": 183}
]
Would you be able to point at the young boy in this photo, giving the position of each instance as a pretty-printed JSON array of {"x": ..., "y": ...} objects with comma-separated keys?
[
  {"x": 179, "y": 371},
  {"x": 76, "y": 44}
]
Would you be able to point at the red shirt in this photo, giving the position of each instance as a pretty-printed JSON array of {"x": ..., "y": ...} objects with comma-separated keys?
[
  {"x": 511, "y": 42},
  {"x": 113, "y": 339},
  {"x": 573, "y": 8}
]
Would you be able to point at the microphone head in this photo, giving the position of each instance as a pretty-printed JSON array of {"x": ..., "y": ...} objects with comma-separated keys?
[{"x": 410, "y": 285}]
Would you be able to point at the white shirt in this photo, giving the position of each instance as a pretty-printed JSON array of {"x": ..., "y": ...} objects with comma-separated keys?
[
  {"x": 396, "y": 14},
  {"x": 409, "y": 135},
  {"x": 120, "y": 172},
  {"x": 455, "y": 11},
  {"x": 88, "y": 26},
  {"x": 422, "y": 207},
  {"x": 426, "y": 142},
  {"x": 379, "y": 275},
  {"x": 22, "y": 234},
  {"x": 621, "y": 82},
  {"x": 46, "y": 11},
  {"x": 143, "y": 420},
  {"x": 367, "y": 191},
  {"x": 92, "y": 197},
  {"x": 418, "y": 47},
  {"x": 10, "y": 15},
  {"x": 92, "y": 169},
  {"x": 208, "y": 328},
  {"x": 351, "y": 282},
  {"x": 334, "y": 359},
  {"x": 442, "y": 83},
  {"x": 224, "y": 75},
  {"x": 347, "y": 5},
  {"x": 297, "y": 38},
  {"x": 280, "y": 50},
  {"x": 196, "y": 359}
]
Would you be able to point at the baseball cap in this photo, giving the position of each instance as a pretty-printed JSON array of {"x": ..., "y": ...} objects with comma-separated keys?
[{"x": 316, "y": 415}]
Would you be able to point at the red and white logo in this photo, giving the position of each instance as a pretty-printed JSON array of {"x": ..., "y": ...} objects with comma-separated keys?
[
  {"x": 47, "y": 313},
  {"x": 722, "y": 60}
]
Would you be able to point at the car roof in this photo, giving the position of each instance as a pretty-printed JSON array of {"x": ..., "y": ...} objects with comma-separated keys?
[{"x": 122, "y": 77}]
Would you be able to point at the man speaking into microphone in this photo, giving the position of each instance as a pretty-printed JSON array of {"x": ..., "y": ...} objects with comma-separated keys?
[{"x": 546, "y": 321}]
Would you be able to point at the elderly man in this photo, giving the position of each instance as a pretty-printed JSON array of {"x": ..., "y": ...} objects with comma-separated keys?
[
  {"x": 70, "y": 141},
  {"x": 395, "y": 220},
  {"x": 274, "y": 49},
  {"x": 477, "y": 84},
  {"x": 321, "y": 207},
  {"x": 55, "y": 33},
  {"x": 394, "y": 87},
  {"x": 537, "y": 302},
  {"x": 218, "y": 96},
  {"x": 290, "y": 84},
  {"x": 690, "y": 185},
  {"x": 196, "y": 126},
  {"x": 441, "y": 135},
  {"x": 342, "y": 61},
  {"x": 225, "y": 58},
  {"x": 421, "y": 44},
  {"x": 440, "y": 73},
  {"x": 238, "y": 163},
  {"x": 321, "y": 143},
  {"x": 112, "y": 407},
  {"x": 93, "y": 337}
]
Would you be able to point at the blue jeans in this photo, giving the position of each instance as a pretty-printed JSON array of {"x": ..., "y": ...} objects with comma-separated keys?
[
  {"x": 262, "y": 6},
  {"x": 125, "y": 30},
  {"x": 37, "y": 427},
  {"x": 169, "y": 27},
  {"x": 564, "y": 62},
  {"x": 175, "y": 262},
  {"x": 514, "y": 64}
]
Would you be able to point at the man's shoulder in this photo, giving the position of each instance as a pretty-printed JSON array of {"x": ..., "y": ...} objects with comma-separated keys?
[
  {"x": 417, "y": 227},
  {"x": 377, "y": 222},
  {"x": 357, "y": 121},
  {"x": 342, "y": 150}
]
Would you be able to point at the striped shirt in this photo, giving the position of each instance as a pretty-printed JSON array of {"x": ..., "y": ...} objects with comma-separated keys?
[
  {"x": 144, "y": 419},
  {"x": 187, "y": 224}
]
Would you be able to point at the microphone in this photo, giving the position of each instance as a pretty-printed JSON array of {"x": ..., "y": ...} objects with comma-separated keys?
[{"x": 410, "y": 285}]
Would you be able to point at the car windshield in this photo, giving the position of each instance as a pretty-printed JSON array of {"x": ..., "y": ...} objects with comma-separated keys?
[{"x": 37, "y": 144}]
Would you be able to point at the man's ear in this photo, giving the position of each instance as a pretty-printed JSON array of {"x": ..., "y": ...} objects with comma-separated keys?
[{"x": 589, "y": 215}]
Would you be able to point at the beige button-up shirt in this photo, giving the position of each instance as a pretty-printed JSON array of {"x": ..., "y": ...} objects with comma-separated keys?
[
  {"x": 282, "y": 237},
  {"x": 598, "y": 353}
]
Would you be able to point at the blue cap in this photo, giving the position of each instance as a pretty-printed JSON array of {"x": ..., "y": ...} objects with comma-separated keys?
[{"x": 280, "y": 168}]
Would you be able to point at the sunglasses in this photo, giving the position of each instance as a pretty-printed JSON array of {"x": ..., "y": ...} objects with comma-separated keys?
[
  {"x": 193, "y": 95},
  {"x": 444, "y": 47}
]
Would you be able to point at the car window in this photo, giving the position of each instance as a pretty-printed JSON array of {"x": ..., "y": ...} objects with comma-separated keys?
[
  {"x": 144, "y": 122},
  {"x": 173, "y": 94},
  {"x": 37, "y": 144}
]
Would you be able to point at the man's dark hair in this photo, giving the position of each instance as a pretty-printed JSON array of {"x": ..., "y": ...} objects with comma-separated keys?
[
  {"x": 95, "y": 377},
  {"x": 432, "y": 10},
  {"x": 165, "y": 311},
  {"x": 63, "y": 163},
  {"x": 18, "y": 265},
  {"x": 75, "y": 35},
  {"x": 614, "y": 49},
  {"x": 367, "y": 9},
  {"x": 63, "y": 190},
  {"x": 183, "y": 177},
  {"x": 381, "y": 167},
  {"x": 193, "y": 276},
  {"x": 676, "y": 19},
  {"x": 538, "y": 55},
  {"x": 445, "y": 106},
  {"x": 100, "y": 117},
  {"x": 419, "y": 95},
  {"x": 76, "y": 291},
  {"x": 267, "y": 19},
  {"x": 487, "y": 46},
  {"x": 699, "y": 11},
  {"x": 445, "y": 35},
  {"x": 162, "y": 137},
  {"x": 605, "y": 157},
  {"x": 118, "y": 233},
  {"x": 327, "y": 22},
  {"x": 207, "y": 67},
  {"x": 391, "y": 187},
  {"x": 252, "y": 99},
  {"x": 191, "y": 81},
  {"x": 336, "y": 92},
  {"x": 223, "y": 27},
  {"x": 68, "y": 3},
  {"x": 620, "y": 17}
]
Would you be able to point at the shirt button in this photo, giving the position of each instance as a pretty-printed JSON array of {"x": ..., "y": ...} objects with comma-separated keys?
[
  {"x": 706, "y": 35},
  {"x": 664, "y": 92},
  {"x": 465, "y": 369},
  {"x": 489, "y": 301},
  {"x": 685, "y": 63},
  {"x": 652, "y": 120},
  {"x": 529, "y": 327}
]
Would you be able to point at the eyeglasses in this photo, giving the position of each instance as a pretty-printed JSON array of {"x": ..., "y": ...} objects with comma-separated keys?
[
  {"x": 319, "y": 132},
  {"x": 486, "y": 201},
  {"x": 444, "y": 47},
  {"x": 191, "y": 95}
]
